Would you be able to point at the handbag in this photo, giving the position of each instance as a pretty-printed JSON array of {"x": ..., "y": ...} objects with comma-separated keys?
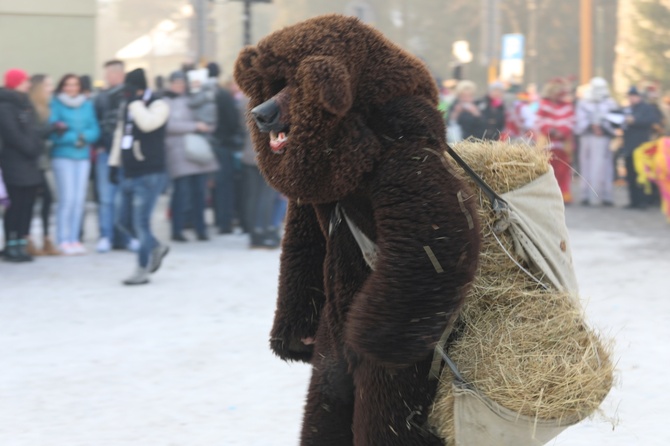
[
  {"x": 198, "y": 150},
  {"x": 4, "y": 196}
]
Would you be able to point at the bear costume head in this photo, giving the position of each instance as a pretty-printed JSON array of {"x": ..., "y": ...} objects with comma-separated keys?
[{"x": 332, "y": 77}]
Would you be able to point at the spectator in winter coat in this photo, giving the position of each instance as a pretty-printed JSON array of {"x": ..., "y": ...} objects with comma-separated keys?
[
  {"x": 640, "y": 119},
  {"x": 260, "y": 200},
  {"x": 228, "y": 139},
  {"x": 19, "y": 155},
  {"x": 73, "y": 117},
  {"x": 108, "y": 105},
  {"x": 41, "y": 91},
  {"x": 189, "y": 178},
  {"x": 202, "y": 97},
  {"x": 139, "y": 147},
  {"x": 596, "y": 132},
  {"x": 465, "y": 113},
  {"x": 492, "y": 109},
  {"x": 554, "y": 129}
]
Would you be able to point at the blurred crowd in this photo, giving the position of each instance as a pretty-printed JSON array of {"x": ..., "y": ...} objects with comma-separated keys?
[
  {"x": 588, "y": 133},
  {"x": 126, "y": 145}
]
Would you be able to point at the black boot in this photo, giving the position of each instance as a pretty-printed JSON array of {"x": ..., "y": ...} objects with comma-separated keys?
[
  {"x": 23, "y": 251},
  {"x": 12, "y": 251},
  {"x": 257, "y": 239},
  {"x": 272, "y": 238}
]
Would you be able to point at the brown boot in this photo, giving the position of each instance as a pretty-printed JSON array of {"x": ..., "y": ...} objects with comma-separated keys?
[
  {"x": 31, "y": 249},
  {"x": 49, "y": 249}
]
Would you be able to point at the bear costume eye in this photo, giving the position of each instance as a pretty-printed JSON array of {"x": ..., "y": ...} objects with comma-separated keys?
[{"x": 276, "y": 85}]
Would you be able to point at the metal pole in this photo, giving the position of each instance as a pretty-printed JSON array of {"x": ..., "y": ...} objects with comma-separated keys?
[
  {"x": 586, "y": 39},
  {"x": 405, "y": 24},
  {"x": 600, "y": 36},
  {"x": 495, "y": 40},
  {"x": 247, "y": 22},
  {"x": 485, "y": 38},
  {"x": 532, "y": 41},
  {"x": 201, "y": 29}
]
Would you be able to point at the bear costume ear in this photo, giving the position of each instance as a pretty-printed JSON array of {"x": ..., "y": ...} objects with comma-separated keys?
[
  {"x": 245, "y": 73},
  {"x": 328, "y": 81}
]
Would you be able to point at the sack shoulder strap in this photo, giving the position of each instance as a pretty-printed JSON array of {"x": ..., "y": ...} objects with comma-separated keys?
[{"x": 497, "y": 202}]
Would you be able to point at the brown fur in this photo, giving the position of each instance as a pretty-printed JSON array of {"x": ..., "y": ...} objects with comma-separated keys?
[{"x": 364, "y": 132}]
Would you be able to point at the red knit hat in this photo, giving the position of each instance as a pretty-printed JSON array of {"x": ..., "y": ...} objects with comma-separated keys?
[{"x": 14, "y": 78}]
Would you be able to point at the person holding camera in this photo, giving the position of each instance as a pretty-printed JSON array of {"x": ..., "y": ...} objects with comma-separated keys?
[{"x": 75, "y": 128}]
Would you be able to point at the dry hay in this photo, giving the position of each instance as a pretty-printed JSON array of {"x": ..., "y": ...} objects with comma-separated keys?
[{"x": 525, "y": 347}]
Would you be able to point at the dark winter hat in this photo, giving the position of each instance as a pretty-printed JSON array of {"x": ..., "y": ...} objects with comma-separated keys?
[
  {"x": 633, "y": 91},
  {"x": 214, "y": 69},
  {"x": 86, "y": 83},
  {"x": 177, "y": 75},
  {"x": 136, "y": 80},
  {"x": 14, "y": 78}
]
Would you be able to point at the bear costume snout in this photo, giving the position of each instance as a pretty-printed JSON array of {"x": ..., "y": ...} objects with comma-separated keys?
[{"x": 272, "y": 117}]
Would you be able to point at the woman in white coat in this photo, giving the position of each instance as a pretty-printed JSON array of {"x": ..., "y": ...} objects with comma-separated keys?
[{"x": 596, "y": 132}]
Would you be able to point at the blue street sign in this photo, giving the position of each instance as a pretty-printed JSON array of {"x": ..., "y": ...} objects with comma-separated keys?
[{"x": 513, "y": 47}]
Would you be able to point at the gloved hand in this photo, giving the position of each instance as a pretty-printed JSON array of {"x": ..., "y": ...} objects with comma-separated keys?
[
  {"x": 59, "y": 127},
  {"x": 114, "y": 176}
]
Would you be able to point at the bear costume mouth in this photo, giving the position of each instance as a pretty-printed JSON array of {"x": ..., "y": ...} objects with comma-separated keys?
[{"x": 278, "y": 141}]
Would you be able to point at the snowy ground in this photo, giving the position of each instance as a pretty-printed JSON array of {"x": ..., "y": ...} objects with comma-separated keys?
[{"x": 184, "y": 361}]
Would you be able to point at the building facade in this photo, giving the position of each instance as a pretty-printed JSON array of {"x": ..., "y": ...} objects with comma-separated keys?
[{"x": 48, "y": 36}]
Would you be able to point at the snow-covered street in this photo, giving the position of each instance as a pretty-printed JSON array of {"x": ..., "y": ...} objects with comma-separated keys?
[{"x": 184, "y": 361}]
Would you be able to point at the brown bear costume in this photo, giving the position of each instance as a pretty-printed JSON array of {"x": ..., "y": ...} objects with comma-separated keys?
[{"x": 356, "y": 124}]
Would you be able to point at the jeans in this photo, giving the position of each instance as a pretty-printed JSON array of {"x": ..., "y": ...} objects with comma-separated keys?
[
  {"x": 187, "y": 190},
  {"x": 281, "y": 205},
  {"x": 107, "y": 201},
  {"x": 71, "y": 183},
  {"x": 142, "y": 192},
  {"x": 260, "y": 206},
  {"x": 224, "y": 194}
]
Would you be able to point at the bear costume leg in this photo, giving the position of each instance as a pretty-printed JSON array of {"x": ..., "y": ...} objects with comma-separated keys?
[
  {"x": 391, "y": 405},
  {"x": 371, "y": 406},
  {"x": 330, "y": 403}
]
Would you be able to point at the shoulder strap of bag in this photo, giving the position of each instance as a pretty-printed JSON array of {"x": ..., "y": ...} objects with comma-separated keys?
[
  {"x": 497, "y": 203},
  {"x": 369, "y": 250}
]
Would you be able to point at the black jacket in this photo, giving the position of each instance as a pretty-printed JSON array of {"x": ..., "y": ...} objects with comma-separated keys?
[
  {"x": 229, "y": 130},
  {"x": 148, "y": 153},
  {"x": 639, "y": 132},
  {"x": 471, "y": 126},
  {"x": 21, "y": 144},
  {"x": 107, "y": 110},
  {"x": 493, "y": 119}
]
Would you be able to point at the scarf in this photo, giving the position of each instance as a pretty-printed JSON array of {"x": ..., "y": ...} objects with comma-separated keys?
[{"x": 72, "y": 102}]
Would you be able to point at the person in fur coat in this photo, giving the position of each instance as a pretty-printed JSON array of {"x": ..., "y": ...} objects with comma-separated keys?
[{"x": 346, "y": 125}]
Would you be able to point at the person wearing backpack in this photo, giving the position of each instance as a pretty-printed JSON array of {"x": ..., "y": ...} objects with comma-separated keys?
[{"x": 19, "y": 161}]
